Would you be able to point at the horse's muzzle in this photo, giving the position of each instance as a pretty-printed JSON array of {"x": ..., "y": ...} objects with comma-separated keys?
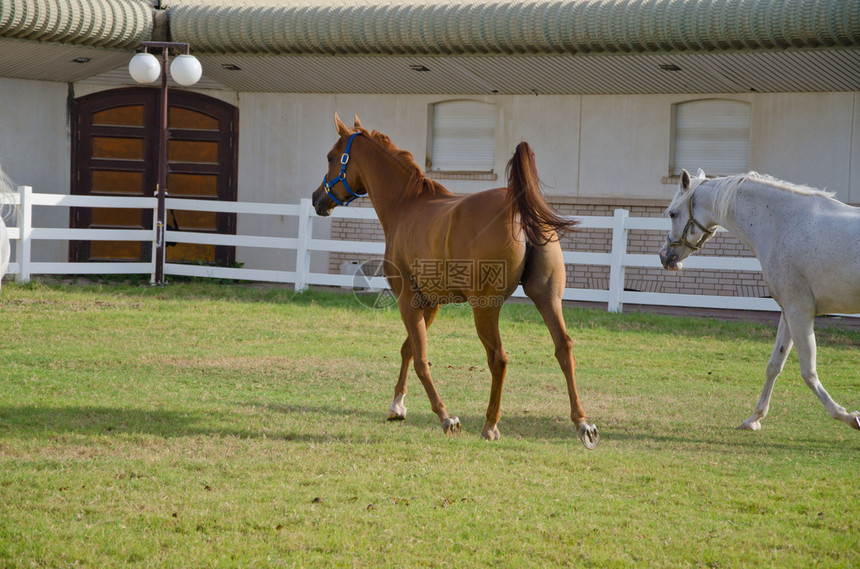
[
  {"x": 669, "y": 260},
  {"x": 322, "y": 203}
]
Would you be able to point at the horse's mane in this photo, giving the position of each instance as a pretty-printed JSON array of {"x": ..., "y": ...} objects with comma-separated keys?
[
  {"x": 419, "y": 184},
  {"x": 727, "y": 190}
]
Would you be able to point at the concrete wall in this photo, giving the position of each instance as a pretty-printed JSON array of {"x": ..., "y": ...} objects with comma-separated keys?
[
  {"x": 586, "y": 146},
  {"x": 806, "y": 138},
  {"x": 607, "y": 146},
  {"x": 35, "y": 149}
]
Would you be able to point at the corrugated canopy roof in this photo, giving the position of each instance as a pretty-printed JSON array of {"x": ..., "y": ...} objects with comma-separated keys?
[
  {"x": 97, "y": 23},
  {"x": 443, "y": 27},
  {"x": 483, "y": 27},
  {"x": 446, "y": 46}
]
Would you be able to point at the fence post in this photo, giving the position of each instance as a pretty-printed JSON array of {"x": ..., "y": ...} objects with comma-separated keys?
[
  {"x": 302, "y": 254},
  {"x": 154, "y": 245},
  {"x": 25, "y": 224},
  {"x": 616, "y": 267}
]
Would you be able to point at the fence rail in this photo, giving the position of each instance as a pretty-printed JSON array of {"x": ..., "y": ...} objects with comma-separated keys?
[{"x": 617, "y": 260}]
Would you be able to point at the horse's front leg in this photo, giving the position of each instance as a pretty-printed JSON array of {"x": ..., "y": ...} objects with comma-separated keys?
[
  {"x": 774, "y": 367},
  {"x": 804, "y": 338},
  {"x": 397, "y": 411},
  {"x": 416, "y": 327}
]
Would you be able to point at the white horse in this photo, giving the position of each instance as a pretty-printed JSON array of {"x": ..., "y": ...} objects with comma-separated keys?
[
  {"x": 6, "y": 206},
  {"x": 806, "y": 242}
]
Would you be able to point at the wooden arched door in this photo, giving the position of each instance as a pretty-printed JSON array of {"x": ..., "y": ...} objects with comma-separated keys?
[{"x": 114, "y": 153}]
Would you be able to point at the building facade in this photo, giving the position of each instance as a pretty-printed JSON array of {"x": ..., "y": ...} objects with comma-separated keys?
[{"x": 614, "y": 96}]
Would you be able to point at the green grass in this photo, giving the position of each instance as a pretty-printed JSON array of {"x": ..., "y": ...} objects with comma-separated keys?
[{"x": 223, "y": 426}]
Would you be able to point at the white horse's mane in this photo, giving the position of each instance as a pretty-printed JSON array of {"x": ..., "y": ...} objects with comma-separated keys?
[{"x": 727, "y": 190}]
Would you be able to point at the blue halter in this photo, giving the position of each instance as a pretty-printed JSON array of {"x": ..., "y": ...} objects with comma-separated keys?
[{"x": 342, "y": 177}]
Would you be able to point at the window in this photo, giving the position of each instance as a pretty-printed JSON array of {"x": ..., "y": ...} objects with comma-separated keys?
[
  {"x": 462, "y": 137},
  {"x": 711, "y": 134}
]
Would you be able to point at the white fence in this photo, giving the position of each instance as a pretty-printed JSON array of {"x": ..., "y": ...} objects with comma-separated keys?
[{"x": 304, "y": 245}]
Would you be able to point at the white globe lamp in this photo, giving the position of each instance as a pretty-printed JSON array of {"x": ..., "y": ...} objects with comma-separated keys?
[
  {"x": 186, "y": 70},
  {"x": 144, "y": 68}
]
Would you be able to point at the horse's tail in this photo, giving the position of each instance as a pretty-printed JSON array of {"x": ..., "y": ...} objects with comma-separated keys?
[{"x": 540, "y": 222}]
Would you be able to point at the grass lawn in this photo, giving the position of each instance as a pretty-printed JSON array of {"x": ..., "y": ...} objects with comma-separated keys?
[{"x": 203, "y": 425}]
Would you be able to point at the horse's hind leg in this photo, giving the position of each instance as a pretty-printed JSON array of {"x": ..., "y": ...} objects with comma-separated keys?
[
  {"x": 774, "y": 366},
  {"x": 543, "y": 282},
  {"x": 397, "y": 411},
  {"x": 802, "y": 333},
  {"x": 487, "y": 325}
]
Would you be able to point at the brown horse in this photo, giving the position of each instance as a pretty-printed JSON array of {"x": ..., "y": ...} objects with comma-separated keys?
[{"x": 442, "y": 248}]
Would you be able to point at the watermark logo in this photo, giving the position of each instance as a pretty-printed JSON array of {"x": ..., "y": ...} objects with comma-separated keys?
[
  {"x": 370, "y": 286},
  {"x": 450, "y": 275},
  {"x": 431, "y": 281}
]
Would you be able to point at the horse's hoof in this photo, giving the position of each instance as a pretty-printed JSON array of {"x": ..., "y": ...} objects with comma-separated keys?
[
  {"x": 750, "y": 426},
  {"x": 856, "y": 423},
  {"x": 491, "y": 433},
  {"x": 452, "y": 426},
  {"x": 397, "y": 411},
  {"x": 589, "y": 435}
]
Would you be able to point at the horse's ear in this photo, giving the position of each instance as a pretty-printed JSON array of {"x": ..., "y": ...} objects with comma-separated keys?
[
  {"x": 357, "y": 123},
  {"x": 700, "y": 174},
  {"x": 685, "y": 181},
  {"x": 341, "y": 128}
]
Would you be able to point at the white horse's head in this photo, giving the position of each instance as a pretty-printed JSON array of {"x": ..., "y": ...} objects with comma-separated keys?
[{"x": 688, "y": 233}]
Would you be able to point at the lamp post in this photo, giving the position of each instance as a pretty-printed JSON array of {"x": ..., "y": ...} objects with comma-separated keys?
[{"x": 185, "y": 70}]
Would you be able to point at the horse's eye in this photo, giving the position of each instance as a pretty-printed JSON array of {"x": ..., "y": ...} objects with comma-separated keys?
[{"x": 672, "y": 215}]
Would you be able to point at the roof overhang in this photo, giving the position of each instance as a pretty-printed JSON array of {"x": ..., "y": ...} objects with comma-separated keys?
[
  {"x": 407, "y": 46},
  {"x": 786, "y": 71}
]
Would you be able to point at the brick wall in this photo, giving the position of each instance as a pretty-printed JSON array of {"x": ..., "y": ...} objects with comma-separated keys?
[
  {"x": 688, "y": 281},
  {"x": 355, "y": 230}
]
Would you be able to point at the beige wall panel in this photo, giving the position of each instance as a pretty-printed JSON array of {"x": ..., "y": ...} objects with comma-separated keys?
[
  {"x": 35, "y": 151},
  {"x": 804, "y": 138},
  {"x": 550, "y": 124},
  {"x": 624, "y": 146},
  {"x": 854, "y": 185}
]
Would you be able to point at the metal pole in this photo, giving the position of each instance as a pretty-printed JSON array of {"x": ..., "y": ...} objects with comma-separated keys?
[
  {"x": 162, "y": 158},
  {"x": 161, "y": 187}
]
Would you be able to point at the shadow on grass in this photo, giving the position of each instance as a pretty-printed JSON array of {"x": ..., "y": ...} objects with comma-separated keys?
[
  {"x": 31, "y": 421},
  {"x": 543, "y": 428},
  {"x": 44, "y": 422},
  {"x": 39, "y": 421}
]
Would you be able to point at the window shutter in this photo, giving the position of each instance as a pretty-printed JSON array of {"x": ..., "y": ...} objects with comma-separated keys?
[
  {"x": 713, "y": 135},
  {"x": 464, "y": 136}
]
